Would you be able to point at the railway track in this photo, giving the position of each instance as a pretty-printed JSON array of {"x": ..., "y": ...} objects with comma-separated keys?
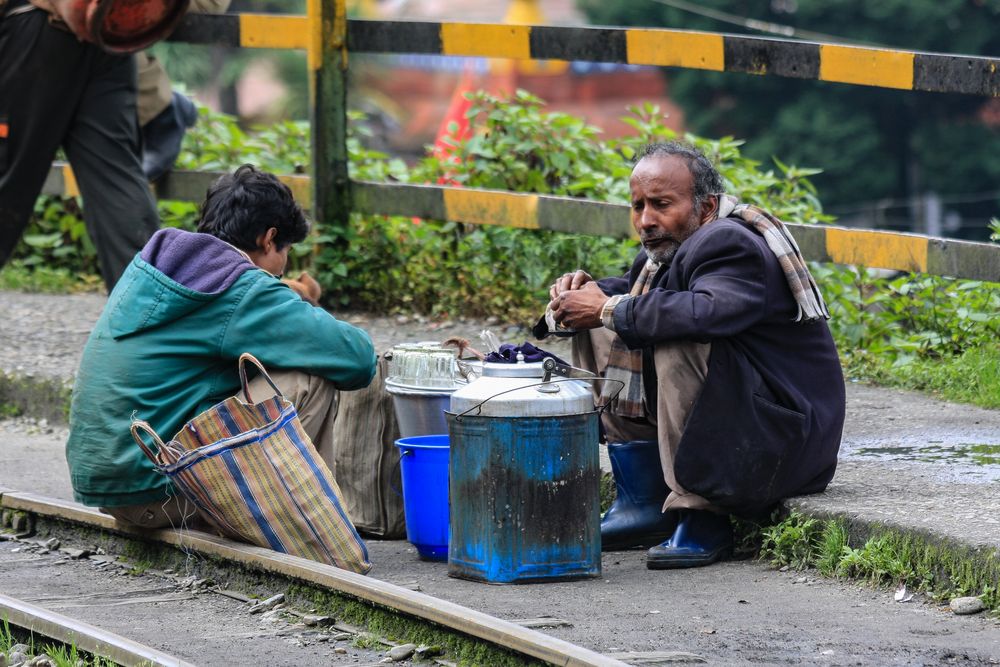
[
  {"x": 314, "y": 583},
  {"x": 85, "y": 637}
]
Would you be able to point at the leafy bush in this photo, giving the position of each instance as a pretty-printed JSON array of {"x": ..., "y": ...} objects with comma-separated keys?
[
  {"x": 917, "y": 331},
  {"x": 517, "y": 145}
]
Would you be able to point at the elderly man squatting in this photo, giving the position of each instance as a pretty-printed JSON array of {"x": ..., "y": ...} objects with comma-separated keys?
[{"x": 733, "y": 393}]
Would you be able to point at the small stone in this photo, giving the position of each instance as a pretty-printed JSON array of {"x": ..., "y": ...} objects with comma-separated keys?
[
  {"x": 341, "y": 636},
  {"x": 386, "y": 661},
  {"x": 425, "y": 651},
  {"x": 340, "y": 649},
  {"x": 316, "y": 619},
  {"x": 17, "y": 656},
  {"x": 3, "y": 660},
  {"x": 40, "y": 661},
  {"x": 267, "y": 604},
  {"x": 800, "y": 580},
  {"x": 77, "y": 553},
  {"x": 783, "y": 568},
  {"x": 402, "y": 652},
  {"x": 52, "y": 544},
  {"x": 967, "y": 605},
  {"x": 270, "y": 615},
  {"x": 402, "y": 319}
]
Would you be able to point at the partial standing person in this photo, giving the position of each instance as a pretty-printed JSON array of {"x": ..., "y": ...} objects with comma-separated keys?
[
  {"x": 164, "y": 113},
  {"x": 166, "y": 346},
  {"x": 58, "y": 91},
  {"x": 733, "y": 394}
]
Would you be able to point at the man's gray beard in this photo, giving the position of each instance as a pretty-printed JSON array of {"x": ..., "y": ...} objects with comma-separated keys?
[{"x": 663, "y": 255}]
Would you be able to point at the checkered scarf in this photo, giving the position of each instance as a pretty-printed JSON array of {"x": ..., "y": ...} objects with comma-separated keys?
[
  {"x": 780, "y": 241},
  {"x": 625, "y": 365}
]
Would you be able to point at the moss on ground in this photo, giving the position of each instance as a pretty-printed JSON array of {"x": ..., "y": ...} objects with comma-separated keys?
[
  {"x": 884, "y": 556},
  {"x": 384, "y": 622}
]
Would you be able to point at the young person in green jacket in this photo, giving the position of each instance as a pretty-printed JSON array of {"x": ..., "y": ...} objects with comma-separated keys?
[{"x": 167, "y": 344}]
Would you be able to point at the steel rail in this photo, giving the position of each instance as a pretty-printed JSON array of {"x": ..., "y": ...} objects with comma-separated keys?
[
  {"x": 721, "y": 52},
  {"x": 499, "y": 632},
  {"x": 84, "y": 636}
]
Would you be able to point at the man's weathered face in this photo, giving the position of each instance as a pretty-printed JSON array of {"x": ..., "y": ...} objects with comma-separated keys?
[{"x": 663, "y": 210}]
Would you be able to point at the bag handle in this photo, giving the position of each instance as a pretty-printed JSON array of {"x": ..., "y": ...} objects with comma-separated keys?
[
  {"x": 140, "y": 425},
  {"x": 247, "y": 357}
]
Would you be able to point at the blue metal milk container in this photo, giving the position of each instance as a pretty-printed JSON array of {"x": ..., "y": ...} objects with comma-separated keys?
[{"x": 524, "y": 478}]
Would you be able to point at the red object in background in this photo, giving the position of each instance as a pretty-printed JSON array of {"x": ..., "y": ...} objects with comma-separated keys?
[
  {"x": 448, "y": 137},
  {"x": 121, "y": 26}
]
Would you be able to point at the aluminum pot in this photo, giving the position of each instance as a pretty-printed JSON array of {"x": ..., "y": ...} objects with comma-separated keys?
[{"x": 522, "y": 390}]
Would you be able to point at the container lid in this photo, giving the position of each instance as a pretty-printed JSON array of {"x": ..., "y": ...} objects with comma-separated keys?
[{"x": 518, "y": 370}]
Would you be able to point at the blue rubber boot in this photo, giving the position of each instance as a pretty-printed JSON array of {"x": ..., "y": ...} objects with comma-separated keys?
[
  {"x": 162, "y": 136},
  {"x": 701, "y": 538},
  {"x": 635, "y": 518}
]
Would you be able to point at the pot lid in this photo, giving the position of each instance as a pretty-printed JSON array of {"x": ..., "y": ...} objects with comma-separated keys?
[{"x": 518, "y": 370}]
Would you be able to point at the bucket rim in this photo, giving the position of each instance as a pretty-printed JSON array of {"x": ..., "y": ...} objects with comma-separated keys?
[{"x": 442, "y": 437}]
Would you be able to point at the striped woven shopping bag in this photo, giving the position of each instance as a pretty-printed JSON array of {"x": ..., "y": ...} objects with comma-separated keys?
[{"x": 252, "y": 469}]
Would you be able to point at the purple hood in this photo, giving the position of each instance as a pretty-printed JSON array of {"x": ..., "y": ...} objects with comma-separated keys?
[{"x": 199, "y": 262}]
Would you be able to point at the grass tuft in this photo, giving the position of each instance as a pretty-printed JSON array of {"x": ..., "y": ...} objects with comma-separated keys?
[
  {"x": 47, "y": 280},
  {"x": 884, "y": 557}
]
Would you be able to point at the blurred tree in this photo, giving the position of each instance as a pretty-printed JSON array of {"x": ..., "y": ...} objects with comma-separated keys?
[{"x": 872, "y": 144}]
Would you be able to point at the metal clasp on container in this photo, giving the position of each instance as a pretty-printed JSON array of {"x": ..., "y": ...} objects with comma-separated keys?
[{"x": 551, "y": 366}]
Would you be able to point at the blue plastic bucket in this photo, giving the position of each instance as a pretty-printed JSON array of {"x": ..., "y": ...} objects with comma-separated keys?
[{"x": 424, "y": 467}]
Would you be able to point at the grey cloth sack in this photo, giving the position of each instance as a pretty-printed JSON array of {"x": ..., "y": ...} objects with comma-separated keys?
[{"x": 366, "y": 460}]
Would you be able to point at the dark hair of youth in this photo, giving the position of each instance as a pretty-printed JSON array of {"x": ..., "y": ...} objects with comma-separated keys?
[
  {"x": 241, "y": 206},
  {"x": 707, "y": 180}
]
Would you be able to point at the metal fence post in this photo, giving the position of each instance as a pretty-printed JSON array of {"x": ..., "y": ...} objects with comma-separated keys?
[{"x": 331, "y": 203}]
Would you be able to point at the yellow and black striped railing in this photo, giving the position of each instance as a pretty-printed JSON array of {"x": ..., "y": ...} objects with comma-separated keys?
[
  {"x": 824, "y": 243},
  {"x": 886, "y": 68}
]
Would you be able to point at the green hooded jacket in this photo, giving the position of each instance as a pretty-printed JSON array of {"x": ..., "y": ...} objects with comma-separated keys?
[{"x": 166, "y": 348}]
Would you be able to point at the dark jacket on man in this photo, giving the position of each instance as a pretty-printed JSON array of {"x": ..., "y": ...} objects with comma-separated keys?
[{"x": 768, "y": 422}]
